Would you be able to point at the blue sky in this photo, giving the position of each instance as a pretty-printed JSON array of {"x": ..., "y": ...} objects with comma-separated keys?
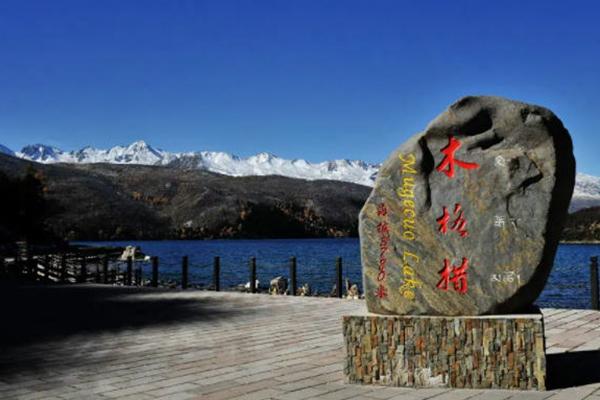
[{"x": 301, "y": 79}]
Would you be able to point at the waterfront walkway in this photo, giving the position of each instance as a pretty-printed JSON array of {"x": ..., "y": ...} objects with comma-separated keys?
[{"x": 103, "y": 342}]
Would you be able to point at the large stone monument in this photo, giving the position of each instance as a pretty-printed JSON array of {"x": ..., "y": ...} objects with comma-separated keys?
[{"x": 460, "y": 231}]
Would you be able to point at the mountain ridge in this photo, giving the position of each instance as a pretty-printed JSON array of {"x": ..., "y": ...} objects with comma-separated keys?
[
  {"x": 261, "y": 164},
  {"x": 586, "y": 193},
  {"x": 123, "y": 202}
]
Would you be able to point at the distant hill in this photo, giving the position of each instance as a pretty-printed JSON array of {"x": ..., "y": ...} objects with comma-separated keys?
[
  {"x": 124, "y": 201},
  {"x": 583, "y": 225},
  {"x": 109, "y": 201}
]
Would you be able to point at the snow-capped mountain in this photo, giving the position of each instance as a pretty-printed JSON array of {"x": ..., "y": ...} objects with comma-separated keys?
[
  {"x": 6, "y": 150},
  {"x": 586, "y": 193},
  {"x": 224, "y": 163}
]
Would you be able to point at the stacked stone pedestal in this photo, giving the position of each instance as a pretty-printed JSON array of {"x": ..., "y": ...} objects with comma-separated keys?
[{"x": 504, "y": 352}]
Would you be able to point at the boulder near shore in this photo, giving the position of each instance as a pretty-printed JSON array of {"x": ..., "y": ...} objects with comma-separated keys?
[{"x": 465, "y": 217}]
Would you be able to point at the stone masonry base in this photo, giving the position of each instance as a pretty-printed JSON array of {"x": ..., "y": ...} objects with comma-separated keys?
[{"x": 504, "y": 351}]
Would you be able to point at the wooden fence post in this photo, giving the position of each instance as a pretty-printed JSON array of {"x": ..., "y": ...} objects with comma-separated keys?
[
  {"x": 293, "y": 276},
  {"x": 253, "y": 275},
  {"x": 105, "y": 269},
  {"x": 217, "y": 273},
  {"x": 184, "y": 272},
  {"x": 129, "y": 271},
  {"x": 83, "y": 277},
  {"x": 594, "y": 282},
  {"x": 338, "y": 270},
  {"x": 155, "y": 271}
]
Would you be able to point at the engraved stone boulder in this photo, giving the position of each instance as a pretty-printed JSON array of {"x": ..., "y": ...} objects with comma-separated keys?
[{"x": 465, "y": 217}]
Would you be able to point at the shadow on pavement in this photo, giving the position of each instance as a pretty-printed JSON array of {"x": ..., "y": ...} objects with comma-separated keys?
[
  {"x": 33, "y": 316},
  {"x": 38, "y": 313},
  {"x": 572, "y": 369}
]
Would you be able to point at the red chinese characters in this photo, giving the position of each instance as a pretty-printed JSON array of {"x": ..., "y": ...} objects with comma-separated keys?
[
  {"x": 451, "y": 274},
  {"x": 459, "y": 224},
  {"x": 381, "y": 210},
  {"x": 383, "y": 230},
  {"x": 455, "y": 275},
  {"x": 447, "y": 164}
]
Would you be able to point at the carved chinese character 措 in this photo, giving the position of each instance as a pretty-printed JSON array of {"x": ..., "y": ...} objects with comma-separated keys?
[{"x": 455, "y": 275}]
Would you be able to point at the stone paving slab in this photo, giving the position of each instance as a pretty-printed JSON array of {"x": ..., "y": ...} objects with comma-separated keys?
[{"x": 240, "y": 346}]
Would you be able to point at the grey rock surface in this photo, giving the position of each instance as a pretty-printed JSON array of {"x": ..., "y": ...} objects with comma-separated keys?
[{"x": 465, "y": 217}]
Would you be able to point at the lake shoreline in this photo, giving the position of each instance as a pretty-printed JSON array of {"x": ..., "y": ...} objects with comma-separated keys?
[{"x": 591, "y": 242}]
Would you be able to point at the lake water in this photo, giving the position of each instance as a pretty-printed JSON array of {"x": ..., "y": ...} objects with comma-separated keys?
[{"x": 568, "y": 285}]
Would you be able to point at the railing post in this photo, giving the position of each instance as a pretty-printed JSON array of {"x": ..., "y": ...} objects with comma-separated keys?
[
  {"x": 253, "y": 275},
  {"x": 47, "y": 267},
  {"x": 594, "y": 282},
  {"x": 83, "y": 277},
  {"x": 97, "y": 274},
  {"x": 105, "y": 269},
  {"x": 138, "y": 276},
  {"x": 217, "y": 273},
  {"x": 63, "y": 268},
  {"x": 31, "y": 265},
  {"x": 155, "y": 271},
  {"x": 293, "y": 276},
  {"x": 184, "y": 272},
  {"x": 338, "y": 270},
  {"x": 129, "y": 271}
]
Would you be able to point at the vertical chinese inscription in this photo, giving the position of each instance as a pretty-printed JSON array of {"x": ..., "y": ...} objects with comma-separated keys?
[
  {"x": 455, "y": 275},
  {"x": 383, "y": 229}
]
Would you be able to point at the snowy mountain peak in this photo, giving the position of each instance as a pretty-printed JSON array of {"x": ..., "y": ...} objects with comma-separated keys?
[
  {"x": 6, "y": 150},
  {"x": 140, "y": 152},
  {"x": 263, "y": 157},
  {"x": 41, "y": 153},
  {"x": 586, "y": 192}
]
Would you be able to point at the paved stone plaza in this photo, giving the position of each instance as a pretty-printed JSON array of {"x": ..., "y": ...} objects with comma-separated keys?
[{"x": 102, "y": 342}]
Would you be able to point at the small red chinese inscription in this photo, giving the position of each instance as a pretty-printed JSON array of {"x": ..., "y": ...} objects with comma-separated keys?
[
  {"x": 459, "y": 224},
  {"x": 455, "y": 275},
  {"x": 381, "y": 291},
  {"x": 383, "y": 229},
  {"x": 447, "y": 164}
]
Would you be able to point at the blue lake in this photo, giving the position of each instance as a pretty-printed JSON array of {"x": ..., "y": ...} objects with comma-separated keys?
[{"x": 568, "y": 285}]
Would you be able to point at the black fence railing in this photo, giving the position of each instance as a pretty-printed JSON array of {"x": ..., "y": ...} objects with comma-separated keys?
[{"x": 109, "y": 268}]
